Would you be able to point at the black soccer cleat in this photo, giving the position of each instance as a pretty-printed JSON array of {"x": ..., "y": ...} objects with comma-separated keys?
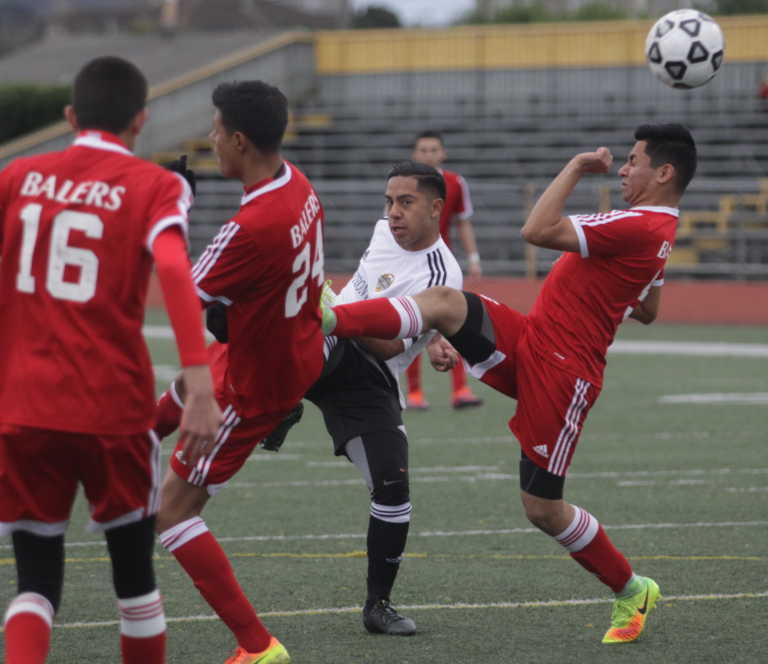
[
  {"x": 274, "y": 441},
  {"x": 380, "y": 617}
]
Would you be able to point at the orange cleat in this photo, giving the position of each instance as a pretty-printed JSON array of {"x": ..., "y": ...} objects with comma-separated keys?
[
  {"x": 274, "y": 653},
  {"x": 416, "y": 401},
  {"x": 464, "y": 398}
]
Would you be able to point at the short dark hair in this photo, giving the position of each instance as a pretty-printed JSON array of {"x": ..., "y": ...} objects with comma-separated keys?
[
  {"x": 107, "y": 94},
  {"x": 670, "y": 144},
  {"x": 429, "y": 133},
  {"x": 429, "y": 179},
  {"x": 255, "y": 108}
]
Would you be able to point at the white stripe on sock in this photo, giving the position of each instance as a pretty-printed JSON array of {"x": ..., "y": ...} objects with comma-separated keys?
[
  {"x": 581, "y": 532},
  {"x": 30, "y": 603},
  {"x": 142, "y": 617},
  {"x": 182, "y": 533}
]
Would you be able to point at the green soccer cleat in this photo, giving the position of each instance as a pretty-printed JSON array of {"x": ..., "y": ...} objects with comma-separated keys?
[
  {"x": 628, "y": 615},
  {"x": 327, "y": 301},
  {"x": 275, "y": 653}
]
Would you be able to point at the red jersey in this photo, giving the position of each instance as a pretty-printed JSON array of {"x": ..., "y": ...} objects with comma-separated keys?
[
  {"x": 77, "y": 232},
  {"x": 458, "y": 203},
  {"x": 266, "y": 265},
  {"x": 586, "y": 295}
]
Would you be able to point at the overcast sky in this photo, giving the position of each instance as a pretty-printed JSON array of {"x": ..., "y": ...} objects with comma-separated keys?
[{"x": 421, "y": 12}]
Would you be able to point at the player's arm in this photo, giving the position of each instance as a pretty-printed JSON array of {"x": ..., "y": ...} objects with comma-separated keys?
[
  {"x": 546, "y": 226},
  {"x": 647, "y": 309},
  {"x": 467, "y": 237},
  {"x": 201, "y": 417}
]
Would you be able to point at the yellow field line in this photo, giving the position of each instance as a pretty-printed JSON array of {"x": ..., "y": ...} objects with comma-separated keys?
[{"x": 416, "y": 556}]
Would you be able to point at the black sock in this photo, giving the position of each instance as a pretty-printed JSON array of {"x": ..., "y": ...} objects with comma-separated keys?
[{"x": 386, "y": 543}]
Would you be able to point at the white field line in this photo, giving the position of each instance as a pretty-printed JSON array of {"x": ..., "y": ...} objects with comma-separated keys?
[
  {"x": 697, "y": 348},
  {"x": 717, "y": 398},
  {"x": 460, "y": 606},
  {"x": 689, "y": 348},
  {"x": 453, "y": 533},
  {"x": 490, "y": 476}
]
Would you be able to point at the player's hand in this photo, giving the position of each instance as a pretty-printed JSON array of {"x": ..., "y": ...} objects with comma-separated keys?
[
  {"x": 201, "y": 417},
  {"x": 180, "y": 166},
  {"x": 598, "y": 161},
  {"x": 442, "y": 355}
]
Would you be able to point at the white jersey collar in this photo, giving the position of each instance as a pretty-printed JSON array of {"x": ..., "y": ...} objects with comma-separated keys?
[
  {"x": 100, "y": 140},
  {"x": 675, "y": 212},
  {"x": 284, "y": 179}
]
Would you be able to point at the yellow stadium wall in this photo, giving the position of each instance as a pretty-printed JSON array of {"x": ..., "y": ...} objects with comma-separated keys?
[{"x": 546, "y": 45}]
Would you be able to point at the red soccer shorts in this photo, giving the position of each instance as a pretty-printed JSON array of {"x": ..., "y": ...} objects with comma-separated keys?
[
  {"x": 234, "y": 443},
  {"x": 551, "y": 403},
  {"x": 235, "y": 439},
  {"x": 40, "y": 470}
]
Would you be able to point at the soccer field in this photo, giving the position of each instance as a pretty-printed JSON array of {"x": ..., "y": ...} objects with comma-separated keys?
[{"x": 679, "y": 481}]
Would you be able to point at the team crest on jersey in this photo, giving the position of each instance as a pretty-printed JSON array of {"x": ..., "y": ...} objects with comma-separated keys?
[{"x": 384, "y": 282}]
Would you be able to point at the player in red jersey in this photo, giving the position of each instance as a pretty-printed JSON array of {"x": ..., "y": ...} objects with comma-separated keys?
[
  {"x": 552, "y": 360},
  {"x": 430, "y": 149},
  {"x": 266, "y": 266},
  {"x": 80, "y": 229}
]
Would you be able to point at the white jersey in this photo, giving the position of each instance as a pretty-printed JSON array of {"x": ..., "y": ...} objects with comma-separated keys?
[{"x": 388, "y": 270}]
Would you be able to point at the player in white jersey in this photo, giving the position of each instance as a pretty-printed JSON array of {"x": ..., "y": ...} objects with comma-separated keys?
[{"x": 359, "y": 394}]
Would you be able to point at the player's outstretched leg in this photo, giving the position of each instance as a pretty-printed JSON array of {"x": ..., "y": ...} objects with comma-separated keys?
[
  {"x": 184, "y": 534},
  {"x": 439, "y": 308}
]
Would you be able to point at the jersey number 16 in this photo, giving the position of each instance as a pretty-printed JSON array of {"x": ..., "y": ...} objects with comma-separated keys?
[{"x": 60, "y": 254}]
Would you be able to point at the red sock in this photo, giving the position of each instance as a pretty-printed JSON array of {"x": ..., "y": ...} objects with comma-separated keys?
[
  {"x": 593, "y": 550},
  {"x": 143, "y": 651},
  {"x": 205, "y": 562},
  {"x": 413, "y": 372},
  {"x": 28, "y": 629},
  {"x": 383, "y": 318},
  {"x": 142, "y": 629},
  {"x": 167, "y": 414},
  {"x": 459, "y": 376}
]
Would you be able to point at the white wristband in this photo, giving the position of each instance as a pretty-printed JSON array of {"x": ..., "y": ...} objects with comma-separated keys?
[
  {"x": 474, "y": 257},
  {"x": 407, "y": 343}
]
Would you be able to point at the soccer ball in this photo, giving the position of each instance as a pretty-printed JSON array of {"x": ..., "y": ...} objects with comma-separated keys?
[{"x": 685, "y": 48}]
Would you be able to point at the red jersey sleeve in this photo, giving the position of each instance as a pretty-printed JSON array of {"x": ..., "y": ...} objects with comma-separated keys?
[
  {"x": 614, "y": 233},
  {"x": 219, "y": 272},
  {"x": 170, "y": 207}
]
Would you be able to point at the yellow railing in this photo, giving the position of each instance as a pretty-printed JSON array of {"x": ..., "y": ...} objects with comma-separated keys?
[{"x": 583, "y": 44}]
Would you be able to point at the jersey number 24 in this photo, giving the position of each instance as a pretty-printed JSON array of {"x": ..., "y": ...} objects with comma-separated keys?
[{"x": 298, "y": 291}]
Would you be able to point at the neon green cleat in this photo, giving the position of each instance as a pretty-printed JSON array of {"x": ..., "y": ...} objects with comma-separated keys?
[
  {"x": 327, "y": 300},
  {"x": 628, "y": 615},
  {"x": 275, "y": 653}
]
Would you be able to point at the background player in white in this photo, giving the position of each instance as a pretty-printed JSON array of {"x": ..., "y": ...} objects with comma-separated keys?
[
  {"x": 80, "y": 230},
  {"x": 552, "y": 360},
  {"x": 360, "y": 397}
]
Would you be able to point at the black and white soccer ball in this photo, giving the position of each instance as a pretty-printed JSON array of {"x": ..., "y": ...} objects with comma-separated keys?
[{"x": 685, "y": 48}]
